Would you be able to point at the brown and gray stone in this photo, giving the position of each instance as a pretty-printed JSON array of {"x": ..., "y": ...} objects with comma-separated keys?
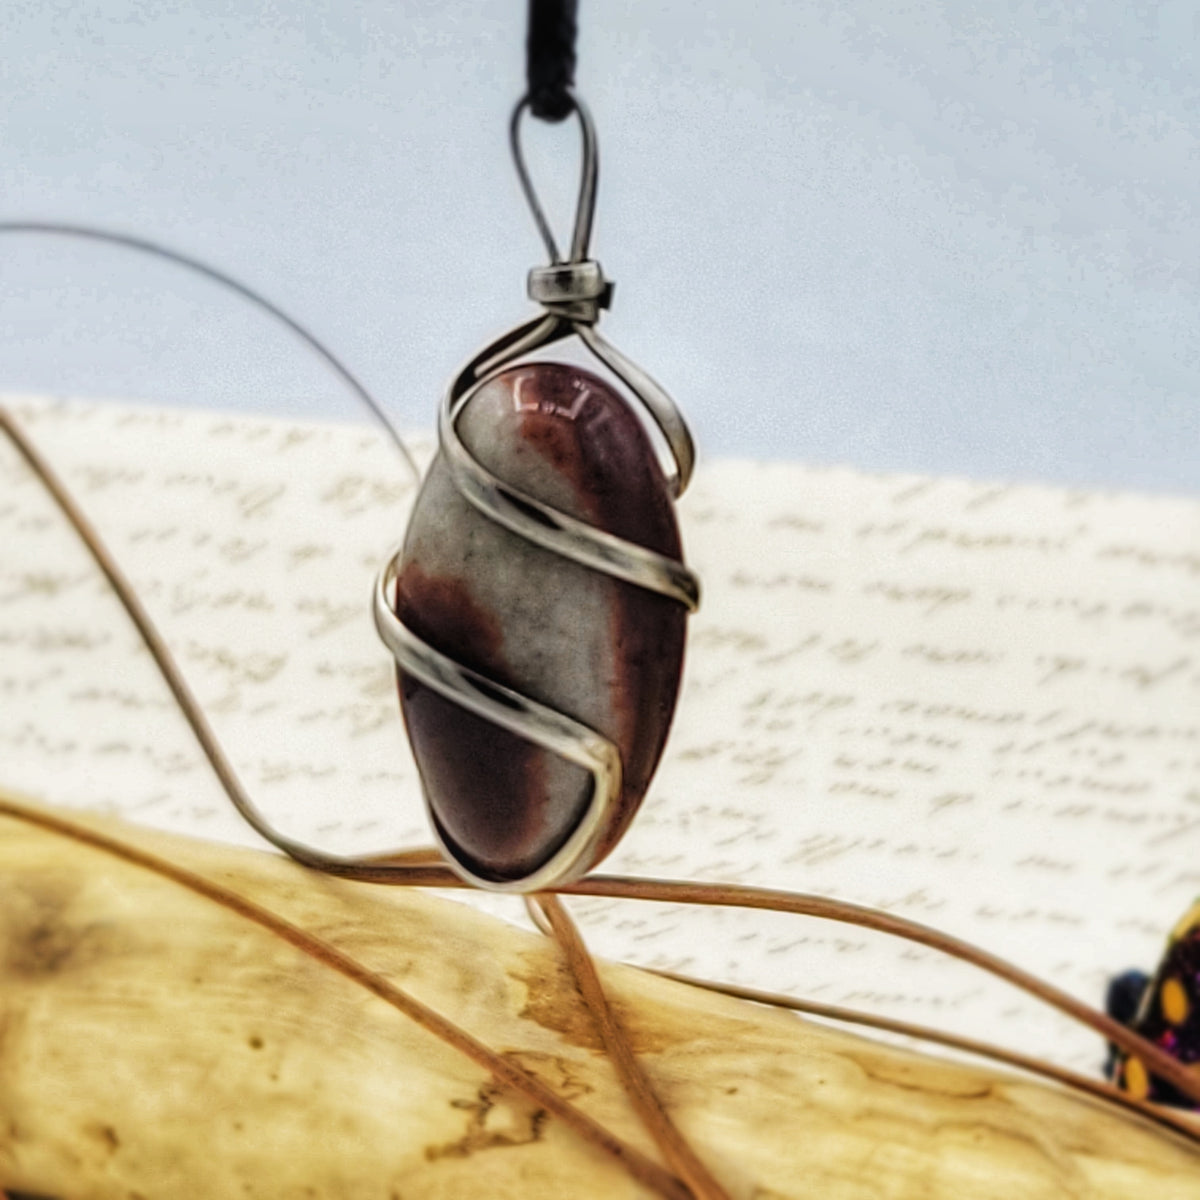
[{"x": 599, "y": 649}]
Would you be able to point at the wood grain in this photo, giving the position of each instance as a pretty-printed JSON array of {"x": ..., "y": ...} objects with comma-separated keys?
[{"x": 153, "y": 1043}]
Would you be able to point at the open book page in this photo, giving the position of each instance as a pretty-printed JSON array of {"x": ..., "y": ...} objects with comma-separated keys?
[{"x": 972, "y": 704}]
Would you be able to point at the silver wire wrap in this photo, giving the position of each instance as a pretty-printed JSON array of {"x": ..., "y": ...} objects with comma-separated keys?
[{"x": 572, "y": 293}]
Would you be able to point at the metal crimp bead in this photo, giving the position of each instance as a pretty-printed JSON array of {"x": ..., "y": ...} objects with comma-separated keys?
[{"x": 577, "y": 291}]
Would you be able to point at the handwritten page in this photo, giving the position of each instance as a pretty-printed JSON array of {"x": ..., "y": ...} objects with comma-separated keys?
[{"x": 973, "y": 704}]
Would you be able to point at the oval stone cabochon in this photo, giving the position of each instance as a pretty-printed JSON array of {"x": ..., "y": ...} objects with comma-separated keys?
[{"x": 601, "y": 650}]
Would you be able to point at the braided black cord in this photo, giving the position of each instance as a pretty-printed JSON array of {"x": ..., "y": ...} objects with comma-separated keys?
[{"x": 550, "y": 57}]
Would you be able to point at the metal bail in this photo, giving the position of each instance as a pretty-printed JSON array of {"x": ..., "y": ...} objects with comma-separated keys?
[
  {"x": 586, "y": 208},
  {"x": 575, "y": 290}
]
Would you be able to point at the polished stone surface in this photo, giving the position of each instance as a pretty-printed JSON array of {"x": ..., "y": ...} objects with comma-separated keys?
[{"x": 596, "y": 648}]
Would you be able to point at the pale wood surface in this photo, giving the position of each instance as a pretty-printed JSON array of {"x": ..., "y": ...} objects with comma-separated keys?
[{"x": 154, "y": 1044}]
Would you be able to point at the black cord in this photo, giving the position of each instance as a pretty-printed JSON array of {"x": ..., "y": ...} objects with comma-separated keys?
[{"x": 550, "y": 57}]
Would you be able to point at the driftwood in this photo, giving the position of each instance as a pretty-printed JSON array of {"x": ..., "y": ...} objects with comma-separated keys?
[{"x": 155, "y": 1043}]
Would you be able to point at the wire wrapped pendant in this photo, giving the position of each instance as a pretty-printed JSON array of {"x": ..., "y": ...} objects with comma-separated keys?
[{"x": 536, "y": 609}]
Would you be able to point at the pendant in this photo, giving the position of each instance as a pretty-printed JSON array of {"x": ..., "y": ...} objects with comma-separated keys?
[{"x": 537, "y": 607}]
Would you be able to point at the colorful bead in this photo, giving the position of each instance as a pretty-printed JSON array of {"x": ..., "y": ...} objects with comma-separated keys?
[{"x": 1167, "y": 1013}]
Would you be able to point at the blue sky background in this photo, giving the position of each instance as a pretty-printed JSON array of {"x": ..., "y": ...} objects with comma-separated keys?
[{"x": 945, "y": 237}]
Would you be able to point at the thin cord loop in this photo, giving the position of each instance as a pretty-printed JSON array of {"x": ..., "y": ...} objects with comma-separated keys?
[
  {"x": 421, "y": 868},
  {"x": 128, "y": 242},
  {"x": 589, "y": 175}
]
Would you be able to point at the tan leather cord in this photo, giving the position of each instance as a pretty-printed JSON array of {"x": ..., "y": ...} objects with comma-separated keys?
[
  {"x": 728, "y": 895},
  {"x": 423, "y": 867},
  {"x": 504, "y": 1072},
  {"x": 680, "y": 1156},
  {"x": 640, "y": 1167},
  {"x": 1181, "y": 1122}
]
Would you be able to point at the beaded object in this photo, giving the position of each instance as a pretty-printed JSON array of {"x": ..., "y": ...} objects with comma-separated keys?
[{"x": 1166, "y": 1012}]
